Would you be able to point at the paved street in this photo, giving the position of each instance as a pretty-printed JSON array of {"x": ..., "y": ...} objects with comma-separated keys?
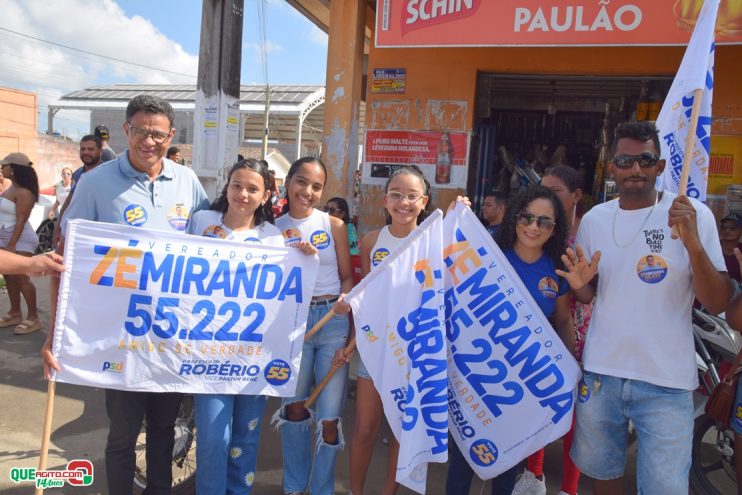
[{"x": 80, "y": 426}]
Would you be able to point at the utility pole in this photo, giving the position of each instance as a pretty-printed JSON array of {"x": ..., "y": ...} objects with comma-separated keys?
[
  {"x": 217, "y": 116},
  {"x": 265, "y": 120}
]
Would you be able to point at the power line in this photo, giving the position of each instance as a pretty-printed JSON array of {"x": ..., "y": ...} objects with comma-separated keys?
[{"x": 96, "y": 54}]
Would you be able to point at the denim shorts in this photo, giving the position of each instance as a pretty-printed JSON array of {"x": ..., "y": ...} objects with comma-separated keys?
[
  {"x": 736, "y": 420},
  {"x": 362, "y": 371},
  {"x": 663, "y": 419}
]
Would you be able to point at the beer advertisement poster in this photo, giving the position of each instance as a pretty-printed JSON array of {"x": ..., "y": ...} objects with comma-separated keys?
[{"x": 441, "y": 155}]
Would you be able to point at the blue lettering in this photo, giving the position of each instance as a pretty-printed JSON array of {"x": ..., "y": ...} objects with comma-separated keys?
[{"x": 150, "y": 271}]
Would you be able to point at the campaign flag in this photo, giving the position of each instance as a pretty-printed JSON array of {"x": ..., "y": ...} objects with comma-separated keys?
[
  {"x": 512, "y": 381},
  {"x": 165, "y": 312},
  {"x": 696, "y": 72},
  {"x": 398, "y": 314}
]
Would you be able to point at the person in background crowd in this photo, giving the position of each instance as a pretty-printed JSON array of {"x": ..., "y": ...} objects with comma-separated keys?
[
  {"x": 91, "y": 152},
  {"x": 407, "y": 204},
  {"x": 61, "y": 191},
  {"x": 639, "y": 359},
  {"x": 301, "y": 222},
  {"x": 17, "y": 236},
  {"x": 564, "y": 181},
  {"x": 493, "y": 211},
  {"x": 228, "y": 425},
  {"x": 173, "y": 153},
  {"x": 107, "y": 153},
  {"x": 142, "y": 189},
  {"x": 338, "y": 207},
  {"x": 730, "y": 230}
]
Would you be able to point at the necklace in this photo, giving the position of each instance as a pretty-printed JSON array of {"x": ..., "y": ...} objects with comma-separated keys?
[{"x": 641, "y": 227}]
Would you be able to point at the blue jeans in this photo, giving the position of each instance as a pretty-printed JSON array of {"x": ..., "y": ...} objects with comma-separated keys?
[
  {"x": 458, "y": 479},
  {"x": 299, "y": 471},
  {"x": 227, "y": 436},
  {"x": 663, "y": 418}
]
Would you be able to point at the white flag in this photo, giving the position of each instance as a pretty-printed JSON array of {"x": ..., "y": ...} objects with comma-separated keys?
[
  {"x": 512, "y": 381},
  {"x": 399, "y": 318},
  {"x": 696, "y": 72}
]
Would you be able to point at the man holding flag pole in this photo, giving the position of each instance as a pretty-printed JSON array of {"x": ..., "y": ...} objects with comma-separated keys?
[{"x": 639, "y": 358}]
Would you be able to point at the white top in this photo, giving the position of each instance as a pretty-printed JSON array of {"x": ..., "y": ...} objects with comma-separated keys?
[
  {"x": 61, "y": 192},
  {"x": 7, "y": 213},
  {"x": 385, "y": 245},
  {"x": 315, "y": 229},
  {"x": 208, "y": 223},
  {"x": 641, "y": 324}
]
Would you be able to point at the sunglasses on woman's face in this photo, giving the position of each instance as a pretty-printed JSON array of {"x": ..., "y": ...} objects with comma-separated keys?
[
  {"x": 332, "y": 210},
  {"x": 543, "y": 222}
]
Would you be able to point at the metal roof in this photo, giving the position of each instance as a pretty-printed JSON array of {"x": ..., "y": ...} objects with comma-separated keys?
[{"x": 249, "y": 93}]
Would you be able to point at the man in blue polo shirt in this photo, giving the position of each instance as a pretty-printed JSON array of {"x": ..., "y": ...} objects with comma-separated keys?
[{"x": 143, "y": 189}]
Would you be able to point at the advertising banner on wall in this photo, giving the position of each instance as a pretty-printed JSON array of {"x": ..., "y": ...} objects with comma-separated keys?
[
  {"x": 442, "y": 156},
  {"x": 408, "y": 23}
]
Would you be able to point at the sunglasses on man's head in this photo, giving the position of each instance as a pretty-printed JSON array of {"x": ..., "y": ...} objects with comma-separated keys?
[
  {"x": 645, "y": 160},
  {"x": 543, "y": 222}
]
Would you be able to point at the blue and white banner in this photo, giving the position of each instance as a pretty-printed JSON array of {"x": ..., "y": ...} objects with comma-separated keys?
[
  {"x": 398, "y": 314},
  {"x": 512, "y": 382},
  {"x": 165, "y": 312},
  {"x": 696, "y": 72}
]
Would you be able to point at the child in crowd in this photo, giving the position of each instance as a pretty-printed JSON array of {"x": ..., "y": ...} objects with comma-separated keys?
[
  {"x": 302, "y": 222},
  {"x": 228, "y": 426},
  {"x": 407, "y": 203}
]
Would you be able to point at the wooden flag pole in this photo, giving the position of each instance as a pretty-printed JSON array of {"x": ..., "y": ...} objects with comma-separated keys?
[
  {"x": 692, "y": 127},
  {"x": 319, "y": 325},
  {"x": 46, "y": 434},
  {"x": 321, "y": 385}
]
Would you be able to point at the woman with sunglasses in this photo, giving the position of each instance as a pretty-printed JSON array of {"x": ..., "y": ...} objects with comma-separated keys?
[{"x": 338, "y": 207}]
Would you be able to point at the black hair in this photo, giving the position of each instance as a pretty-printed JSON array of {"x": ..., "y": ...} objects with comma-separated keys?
[
  {"x": 500, "y": 197},
  {"x": 554, "y": 247},
  {"x": 264, "y": 213},
  {"x": 92, "y": 137},
  {"x": 25, "y": 176},
  {"x": 151, "y": 105},
  {"x": 641, "y": 131},
  {"x": 343, "y": 205},
  {"x": 172, "y": 150},
  {"x": 294, "y": 168},
  {"x": 412, "y": 170},
  {"x": 566, "y": 174}
]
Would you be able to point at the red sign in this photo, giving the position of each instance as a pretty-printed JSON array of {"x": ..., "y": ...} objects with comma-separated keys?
[
  {"x": 406, "y": 23},
  {"x": 440, "y": 155}
]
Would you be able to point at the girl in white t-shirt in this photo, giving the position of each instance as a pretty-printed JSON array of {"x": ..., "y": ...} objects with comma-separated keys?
[
  {"x": 228, "y": 426},
  {"x": 302, "y": 222},
  {"x": 407, "y": 202}
]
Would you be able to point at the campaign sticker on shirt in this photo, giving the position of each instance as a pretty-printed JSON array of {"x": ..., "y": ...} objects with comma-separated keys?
[
  {"x": 135, "y": 215},
  {"x": 548, "y": 288},
  {"x": 291, "y": 236},
  {"x": 177, "y": 217},
  {"x": 738, "y": 415},
  {"x": 651, "y": 269},
  {"x": 583, "y": 392},
  {"x": 215, "y": 231},
  {"x": 483, "y": 452},
  {"x": 320, "y": 239},
  {"x": 379, "y": 256}
]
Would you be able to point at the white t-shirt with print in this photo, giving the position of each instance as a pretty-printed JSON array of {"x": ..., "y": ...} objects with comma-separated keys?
[
  {"x": 208, "y": 223},
  {"x": 641, "y": 325}
]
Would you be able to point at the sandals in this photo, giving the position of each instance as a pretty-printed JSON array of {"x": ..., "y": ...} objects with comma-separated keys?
[
  {"x": 10, "y": 320},
  {"x": 28, "y": 326}
]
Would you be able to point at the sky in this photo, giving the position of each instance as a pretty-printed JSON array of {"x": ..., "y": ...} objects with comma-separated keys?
[{"x": 162, "y": 35}]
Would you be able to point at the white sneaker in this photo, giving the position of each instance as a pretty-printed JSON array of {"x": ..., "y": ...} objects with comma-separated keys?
[
  {"x": 528, "y": 484},
  {"x": 562, "y": 492}
]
